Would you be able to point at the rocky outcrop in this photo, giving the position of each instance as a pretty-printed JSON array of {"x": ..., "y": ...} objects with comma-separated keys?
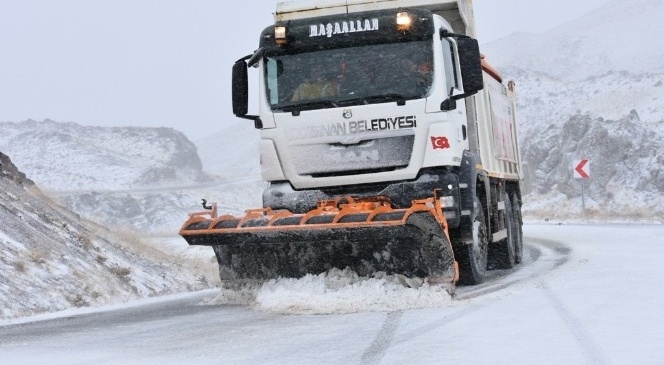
[
  {"x": 627, "y": 165},
  {"x": 9, "y": 171}
]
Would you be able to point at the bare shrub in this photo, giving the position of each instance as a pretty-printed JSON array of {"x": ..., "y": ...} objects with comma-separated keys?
[
  {"x": 121, "y": 272},
  {"x": 78, "y": 301},
  {"x": 86, "y": 242},
  {"x": 19, "y": 266},
  {"x": 37, "y": 258}
]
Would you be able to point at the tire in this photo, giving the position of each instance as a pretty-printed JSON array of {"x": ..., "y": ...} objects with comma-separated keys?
[
  {"x": 517, "y": 230},
  {"x": 504, "y": 253},
  {"x": 472, "y": 257}
]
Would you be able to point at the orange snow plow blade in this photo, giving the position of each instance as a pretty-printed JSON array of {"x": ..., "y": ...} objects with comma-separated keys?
[{"x": 366, "y": 235}]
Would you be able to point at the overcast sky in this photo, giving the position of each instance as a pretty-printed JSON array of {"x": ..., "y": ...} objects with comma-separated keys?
[{"x": 166, "y": 62}]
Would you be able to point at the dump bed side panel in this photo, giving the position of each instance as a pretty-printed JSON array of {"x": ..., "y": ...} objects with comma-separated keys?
[{"x": 497, "y": 132}]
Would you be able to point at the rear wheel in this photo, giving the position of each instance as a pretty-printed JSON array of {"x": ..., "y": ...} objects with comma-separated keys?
[
  {"x": 517, "y": 230},
  {"x": 504, "y": 253},
  {"x": 472, "y": 256}
]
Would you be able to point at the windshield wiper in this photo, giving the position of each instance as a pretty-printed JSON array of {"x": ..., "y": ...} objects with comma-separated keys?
[
  {"x": 307, "y": 106},
  {"x": 372, "y": 99}
]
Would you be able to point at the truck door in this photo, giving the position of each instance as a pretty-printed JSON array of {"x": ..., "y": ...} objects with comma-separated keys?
[{"x": 450, "y": 86}]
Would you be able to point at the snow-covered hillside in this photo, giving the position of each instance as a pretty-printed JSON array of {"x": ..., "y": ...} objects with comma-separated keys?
[
  {"x": 592, "y": 88},
  {"x": 627, "y": 170},
  {"x": 52, "y": 259}
]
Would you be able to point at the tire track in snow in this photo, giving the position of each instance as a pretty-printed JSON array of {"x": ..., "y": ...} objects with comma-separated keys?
[
  {"x": 592, "y": 353},
  {"x": 383, "y": 341},
  {"x": 540, "y": 256},
  {"x": 436, "y": 325},
  {"x": 376, "y": 351},
  {"x": 555, "y": 255}
]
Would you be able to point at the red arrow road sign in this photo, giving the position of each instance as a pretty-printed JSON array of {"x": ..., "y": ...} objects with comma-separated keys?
[{"x": 582, "y": 169}]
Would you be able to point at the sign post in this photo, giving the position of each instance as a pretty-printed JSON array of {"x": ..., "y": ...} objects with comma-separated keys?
[{"x": 582, "y": 171}]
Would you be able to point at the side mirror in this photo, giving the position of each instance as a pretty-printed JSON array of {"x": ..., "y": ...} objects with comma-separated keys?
[
  {"x": 471, "y": 65},
  {"x": 240, "y": 89}
]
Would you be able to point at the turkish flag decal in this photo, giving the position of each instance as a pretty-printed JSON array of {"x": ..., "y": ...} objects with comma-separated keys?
[{"x": 440, "y": 143}]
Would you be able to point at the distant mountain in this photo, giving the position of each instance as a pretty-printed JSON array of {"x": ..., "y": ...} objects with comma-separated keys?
[
  {"x": 619, "y": 36},
  {"x": 231, "y": 152},
  {"x": 53, "y": 260},
  {"x": 69, "y": 156}
]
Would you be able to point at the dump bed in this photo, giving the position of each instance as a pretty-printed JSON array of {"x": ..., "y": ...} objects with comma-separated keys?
[
  {"x": 497, "y": 140},
  {"x": 459, "y": 13}
]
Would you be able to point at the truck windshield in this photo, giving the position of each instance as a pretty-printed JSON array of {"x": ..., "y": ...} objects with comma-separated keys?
[{"x": 349, "y": 76}]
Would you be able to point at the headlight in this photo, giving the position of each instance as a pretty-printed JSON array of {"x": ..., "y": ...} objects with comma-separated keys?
[
  {"x": 404, "y": 21},
  {"x": 447, "y": 201}
]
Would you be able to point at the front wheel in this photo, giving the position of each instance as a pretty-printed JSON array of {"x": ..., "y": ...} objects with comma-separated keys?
[{"x": 472, "y": 256}]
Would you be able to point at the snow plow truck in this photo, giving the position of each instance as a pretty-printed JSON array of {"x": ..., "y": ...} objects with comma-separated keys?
[{"x": 388, "y": 142}]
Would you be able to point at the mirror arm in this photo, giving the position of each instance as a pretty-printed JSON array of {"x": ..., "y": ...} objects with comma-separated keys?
[
  {"x": 450, "y": 103},
  {"x": 258, "y": 123},
  {"x": 253, "y": 59},
  {"x": 444, "y": 33}
]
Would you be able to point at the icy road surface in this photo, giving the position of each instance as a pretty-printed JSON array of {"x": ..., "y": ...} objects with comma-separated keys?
[{"x": 587, "y": 294}]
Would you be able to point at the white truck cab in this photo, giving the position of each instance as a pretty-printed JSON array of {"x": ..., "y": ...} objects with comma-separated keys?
[{"x": 388, "y": 98}]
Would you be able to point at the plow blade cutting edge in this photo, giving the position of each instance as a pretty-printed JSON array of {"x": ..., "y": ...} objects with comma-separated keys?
[{"x": 365, "y": 235}]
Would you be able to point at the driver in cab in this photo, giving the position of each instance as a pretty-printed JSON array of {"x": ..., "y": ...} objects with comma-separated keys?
[
  {"x": 316, "y": 86},
  {"x": 417, "y": 74}
]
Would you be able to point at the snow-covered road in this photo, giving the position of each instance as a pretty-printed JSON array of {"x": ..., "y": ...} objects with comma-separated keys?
[{"x": 588, "y": 294}]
